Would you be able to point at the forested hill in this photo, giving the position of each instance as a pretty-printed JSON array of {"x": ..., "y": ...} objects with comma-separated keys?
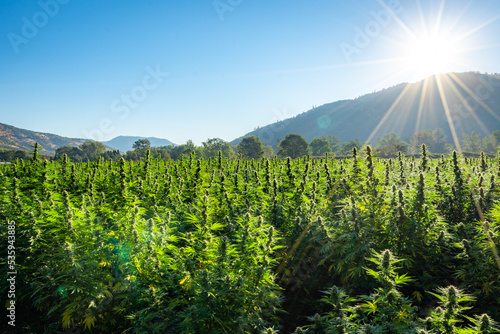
[
  {"x": 472, "y": 100},
  {"x": 459, "y": 102},
  {"x": 13, "y": 138}
]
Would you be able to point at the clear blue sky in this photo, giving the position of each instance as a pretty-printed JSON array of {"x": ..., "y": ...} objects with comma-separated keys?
[{"x": 99, "y": 68}]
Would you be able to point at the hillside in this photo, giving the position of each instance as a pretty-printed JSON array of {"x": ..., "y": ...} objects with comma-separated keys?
[
  {"x": 13, "y": 138},
  {"x": 124, "y": 143},
  {"x": 473, "y": 102}
]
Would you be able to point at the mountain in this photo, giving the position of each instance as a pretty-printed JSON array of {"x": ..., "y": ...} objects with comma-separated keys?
[
  {"x": 458, "y": 103},
  {"x": 13, "y": 138},
  {"x": 124, "y": 143}
]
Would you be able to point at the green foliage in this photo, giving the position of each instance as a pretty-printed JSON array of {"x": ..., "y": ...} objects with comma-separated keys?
[
  {"x": 434, "y": 140},
  {"x": 182, "y": 151},
  {"x": 319, "y": 146},
  {"x": 293, "y": 146},
  {"x": 92, "y": 149},
  {"x": 36, "y": 149},
  {"x": 483, "y": 324},
  {"x": 75, "y": 153},
  {"x": 251, "y": 148},
  {"x": 212, "y": 147},
  {"x": 226, "y": 245},
  {"x": 446, "y": 317},
  {"x": 88, "y": 151},
  {"x": 495, "y": 139},
  {"x": 141, "y": 145},
  {"x": 386, "y": 310},
  {"x": 12, "y": 155},
  {"x": 268, "y": 151},
  {"x": 474, "y": 143},
  {"x": 347, "y": 147},
  {"x": 335, "y": 143},
  {"x": 390, "y": 145}
]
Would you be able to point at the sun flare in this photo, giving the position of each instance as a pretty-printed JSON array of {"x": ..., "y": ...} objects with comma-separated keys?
[{"x": 430, "y": 54}]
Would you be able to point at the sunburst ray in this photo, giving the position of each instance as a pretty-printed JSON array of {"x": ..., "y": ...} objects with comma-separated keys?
[
  {"x": 454, "y": 88},
  {"x": 388, "y": 113},
  {"x": 474, "y": 96},
  {"x": 421, "y": 104},
  {"x": 444, "y": 101}
]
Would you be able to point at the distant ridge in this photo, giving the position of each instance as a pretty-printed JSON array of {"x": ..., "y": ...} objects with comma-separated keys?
[
  {"x": 125, "y": 143},
  {"x": 13, "y": 138},
  {"x": 473, "y": 101}
]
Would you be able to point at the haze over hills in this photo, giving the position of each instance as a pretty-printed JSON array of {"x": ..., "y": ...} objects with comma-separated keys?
[
  {"x": 125, "y": 143},
  {"x": 13, "y": 138},
  {"x": 455, "y": 102},
  {"x": 458, "y": 103}
]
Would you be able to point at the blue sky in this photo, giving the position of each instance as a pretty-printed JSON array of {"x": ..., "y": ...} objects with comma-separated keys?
[{"x": 203, "y": 69}]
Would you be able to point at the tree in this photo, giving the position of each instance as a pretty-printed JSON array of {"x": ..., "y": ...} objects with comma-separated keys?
[
  {"x": 472, "y": 143},
  {"x": 347, "y": 147},
  {"x": 114, "y": 155},
  {"x": 319, "y": 146},
  {"x": 293, "y": 146},
  {"x": 251, "y": 148},
  {"x": 495, "y": 138},
  {"x": 390, "y": 144},
  {"x": 492, "y": 142},
  {"x": 142, "y": 145},
  {"x": 435, "y": 141},
  {"x": 268, "y": 151},
  {"x": 335, "y": 143},
  {"x": 180, "y": 151},
  {"x": 11, "y": 155},
  {"x": 132, "y": 156},
  {"x": 92, "y": 149},
  {"x": 162, "y": 151},
  {"x": 74, "y": 153},
  {"x": 212, "y": 147}
]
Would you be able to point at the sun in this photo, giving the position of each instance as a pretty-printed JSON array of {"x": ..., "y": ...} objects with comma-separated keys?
[
  {"x": 429, "y": 53},
  {"x": 426, "y": 55}
]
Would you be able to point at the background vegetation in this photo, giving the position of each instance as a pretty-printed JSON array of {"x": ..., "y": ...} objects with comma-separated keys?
[{"x": 293, "y": 145}]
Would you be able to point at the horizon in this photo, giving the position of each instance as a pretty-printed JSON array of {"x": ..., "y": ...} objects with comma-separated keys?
[
  {"x": 183, "y": 73},
  {"x": 249, "y": 133}
]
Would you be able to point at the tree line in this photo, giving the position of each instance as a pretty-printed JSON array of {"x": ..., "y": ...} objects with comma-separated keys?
[{"x": 293, "y": 146}]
